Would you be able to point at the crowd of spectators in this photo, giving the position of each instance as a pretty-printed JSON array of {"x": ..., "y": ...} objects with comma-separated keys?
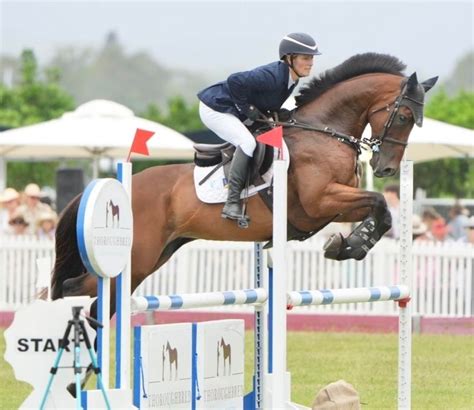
[
  {"x": 26, "y": 213},
  {"x": 431, "y": 225}
]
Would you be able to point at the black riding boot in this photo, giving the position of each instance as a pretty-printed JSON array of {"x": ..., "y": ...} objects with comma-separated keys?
[{"x": 237, "y": 178}]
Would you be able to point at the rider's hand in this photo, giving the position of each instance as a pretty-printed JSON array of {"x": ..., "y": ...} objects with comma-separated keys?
[{"x": 253, "y": 113}]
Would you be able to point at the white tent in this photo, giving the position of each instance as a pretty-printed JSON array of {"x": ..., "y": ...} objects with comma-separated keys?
[{"x": 96, "y": 129}]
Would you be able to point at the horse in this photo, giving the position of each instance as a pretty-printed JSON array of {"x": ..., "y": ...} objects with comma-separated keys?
[
  {"x": 226, "y": 355},
  {"x": 323, "y": 139},
  {"x": 115, "y": 213},
  {"x": 173, "y": 358}
]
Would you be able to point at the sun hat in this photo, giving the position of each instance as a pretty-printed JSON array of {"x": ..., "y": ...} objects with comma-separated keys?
[
  {"x": 33, "y": 190},
  {"x": 17, "y": 218},
  {"x": 9, "y": 195},
  {"x": 418, "y": 226},
  {"x": 339, "y": 395},
  {"x": 49, "y": 215}
]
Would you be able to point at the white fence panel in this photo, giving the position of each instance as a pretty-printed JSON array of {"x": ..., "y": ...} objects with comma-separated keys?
[{"x": 442, "y": 273}]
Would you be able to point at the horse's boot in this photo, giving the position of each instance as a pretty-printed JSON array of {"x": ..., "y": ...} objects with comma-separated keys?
[{"x": 238, "y": 174}]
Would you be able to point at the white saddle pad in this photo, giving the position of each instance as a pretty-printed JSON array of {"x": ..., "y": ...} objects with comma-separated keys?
[{"x": 214, "y": 190}]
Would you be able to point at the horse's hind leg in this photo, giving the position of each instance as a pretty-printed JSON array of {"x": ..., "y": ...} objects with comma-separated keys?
[{"x": 355, "y": 205}]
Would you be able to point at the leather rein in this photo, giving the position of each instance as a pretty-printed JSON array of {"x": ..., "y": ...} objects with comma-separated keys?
[{"x": 356, "y": 144}]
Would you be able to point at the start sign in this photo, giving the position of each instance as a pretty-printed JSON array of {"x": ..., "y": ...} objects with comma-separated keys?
[
  {"x": 105, "y": 227},
  {"x": 32, "y": 343}
]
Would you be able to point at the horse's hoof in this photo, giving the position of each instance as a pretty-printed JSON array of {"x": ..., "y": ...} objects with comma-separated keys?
[
  {"x": 71, "y": 388},
  {"x": 332, "y": 247}
]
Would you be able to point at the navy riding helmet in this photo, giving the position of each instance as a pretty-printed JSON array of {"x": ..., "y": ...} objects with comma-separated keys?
[{"x": 298, "y": 43}]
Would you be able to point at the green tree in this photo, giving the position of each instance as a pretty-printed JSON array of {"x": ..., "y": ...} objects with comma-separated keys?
[
  {"x": 449, "y": 177},
  {"x": 30, "y": 102},
  {"x": 180, "y": 116}
]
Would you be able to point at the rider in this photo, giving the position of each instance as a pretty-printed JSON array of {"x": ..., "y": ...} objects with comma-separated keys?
[{"x": 228, "y": 106}]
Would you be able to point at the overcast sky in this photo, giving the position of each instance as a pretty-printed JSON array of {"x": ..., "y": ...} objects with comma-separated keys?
[{"x": 225, "y": 36}]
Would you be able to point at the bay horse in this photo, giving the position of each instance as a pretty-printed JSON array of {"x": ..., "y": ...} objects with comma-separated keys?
[{"x": 323, "y": 139}]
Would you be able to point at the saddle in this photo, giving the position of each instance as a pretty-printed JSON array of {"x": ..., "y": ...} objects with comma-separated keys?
[{"x": 220, "y": 156}]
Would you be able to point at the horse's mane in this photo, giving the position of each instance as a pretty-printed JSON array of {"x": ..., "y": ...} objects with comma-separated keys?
[{"x": 356, "y": 65}]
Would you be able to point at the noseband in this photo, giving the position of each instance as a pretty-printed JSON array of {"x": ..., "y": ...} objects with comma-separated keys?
[{"x": 376, "y": 141}]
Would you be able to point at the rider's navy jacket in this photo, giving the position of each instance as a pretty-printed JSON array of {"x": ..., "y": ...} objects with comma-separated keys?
[{"x": 265, "y": 87}]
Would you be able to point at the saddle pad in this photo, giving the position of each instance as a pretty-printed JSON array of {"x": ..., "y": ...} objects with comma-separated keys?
[{"x": 214, "y": 190}]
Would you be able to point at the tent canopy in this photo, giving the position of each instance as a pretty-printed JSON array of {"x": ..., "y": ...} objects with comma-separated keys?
[{"x": 96, "y": 128}]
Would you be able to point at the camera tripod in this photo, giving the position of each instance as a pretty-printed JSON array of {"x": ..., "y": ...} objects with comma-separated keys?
[{"x": 79, "y": 331}]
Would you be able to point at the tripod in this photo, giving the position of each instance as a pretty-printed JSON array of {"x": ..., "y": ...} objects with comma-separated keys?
[{"x": 79, "y": 330}]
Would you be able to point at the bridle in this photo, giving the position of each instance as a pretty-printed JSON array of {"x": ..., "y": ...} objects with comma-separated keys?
[
  {"x": 373, "y": 143},
  {"x": 376, "y": 141}
]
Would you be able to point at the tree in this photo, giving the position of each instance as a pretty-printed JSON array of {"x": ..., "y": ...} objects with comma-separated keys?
[
  {"x": 181, "y": 116},
  {"x": 30, "y": 102},
  {"x": 33, "y": 101}
]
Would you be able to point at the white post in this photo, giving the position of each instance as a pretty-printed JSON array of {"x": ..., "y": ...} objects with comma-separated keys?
[
  {"x": 123, "y": 294},
  {"x": 3, "y": 173},
  {"x": 404, "y": 325},
  {"x": 103, "y": 334},
  {"x": 277, "y": 385}
]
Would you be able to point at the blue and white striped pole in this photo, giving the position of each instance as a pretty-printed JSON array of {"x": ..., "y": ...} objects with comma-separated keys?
[
  {"x": 352, "y": 295},
  {"x": 198, "y": 300}
]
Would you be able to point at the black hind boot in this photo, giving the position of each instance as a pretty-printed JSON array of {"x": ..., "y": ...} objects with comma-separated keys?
[{"x": 239, "y": 170}]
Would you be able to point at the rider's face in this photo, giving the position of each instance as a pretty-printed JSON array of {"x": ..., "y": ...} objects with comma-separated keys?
[{"x": 302, "y": 64}]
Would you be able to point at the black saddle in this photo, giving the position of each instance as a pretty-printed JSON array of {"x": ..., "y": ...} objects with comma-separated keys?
[{"x": 220, "y": 155}]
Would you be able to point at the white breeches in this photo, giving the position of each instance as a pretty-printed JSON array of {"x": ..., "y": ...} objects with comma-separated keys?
[{"x": 228, "y": 127}]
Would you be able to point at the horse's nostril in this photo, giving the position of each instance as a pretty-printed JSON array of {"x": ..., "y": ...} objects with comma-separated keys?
[{"x": 389, "y": 172}]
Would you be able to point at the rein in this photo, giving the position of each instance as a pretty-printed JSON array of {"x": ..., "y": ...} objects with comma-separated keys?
[
  {"x": 356, "y": 144},
  {"x": 353, "y": 142}
]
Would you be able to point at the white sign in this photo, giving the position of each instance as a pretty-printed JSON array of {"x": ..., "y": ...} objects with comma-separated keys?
[
  {"x": 176, "y": 370},
  {"x": 163, "y": 366},
  {"x": 32, "y": 343},
  {"x": 220, "y": 364},
  {"x": 105, "y": 227}
]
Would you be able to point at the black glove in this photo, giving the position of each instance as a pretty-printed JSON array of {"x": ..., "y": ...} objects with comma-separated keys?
[{"x": 253, "y": 113}]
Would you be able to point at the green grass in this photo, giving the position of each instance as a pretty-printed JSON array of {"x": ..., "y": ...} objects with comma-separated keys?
[{"x": 442, "y": 378}]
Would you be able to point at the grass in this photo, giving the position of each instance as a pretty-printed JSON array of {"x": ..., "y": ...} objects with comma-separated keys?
[{"x": 442, "y": 369}]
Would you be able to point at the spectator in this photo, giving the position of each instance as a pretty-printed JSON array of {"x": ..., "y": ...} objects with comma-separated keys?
[
  {"x": 391, "y": 194},
  {"x": 436, "y": 224},
  {"x": 469, "y": 227},
  {"x": 33, "y": 207},
  {"x": 18, "y": 223},
  {"x": 419, "y": 229},
  {"x": 10, "y": 201},
  {"x": 47, "y": 225},
  {"x": 458, "y": 219}
]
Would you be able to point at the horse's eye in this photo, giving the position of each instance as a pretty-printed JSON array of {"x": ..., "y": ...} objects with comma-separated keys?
[{"x": 402, "y": 118}]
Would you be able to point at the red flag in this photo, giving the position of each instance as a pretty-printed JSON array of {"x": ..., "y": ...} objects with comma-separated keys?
[
  {"x": 274, "y": 137},
  {"x": 139, "y": 142}
]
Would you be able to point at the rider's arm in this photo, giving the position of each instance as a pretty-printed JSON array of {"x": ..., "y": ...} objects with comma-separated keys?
[{"x": 244, "y": 84}]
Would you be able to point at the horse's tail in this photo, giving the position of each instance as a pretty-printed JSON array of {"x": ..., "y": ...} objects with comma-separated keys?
[{"x": 68, "y": 263}]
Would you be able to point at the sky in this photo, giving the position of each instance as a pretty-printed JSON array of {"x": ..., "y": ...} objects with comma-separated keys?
[{"x": 225, "y": 36}]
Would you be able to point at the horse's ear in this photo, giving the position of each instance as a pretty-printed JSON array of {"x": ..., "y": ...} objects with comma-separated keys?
[
  {"x": 412, "y": 82},
  {"x": 428, "y": 84}
]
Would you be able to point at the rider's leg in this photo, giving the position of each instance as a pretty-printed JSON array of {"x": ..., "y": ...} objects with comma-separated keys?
[
  {"x": 237, "y": 178},
  {"x": 231, "y": 129}
]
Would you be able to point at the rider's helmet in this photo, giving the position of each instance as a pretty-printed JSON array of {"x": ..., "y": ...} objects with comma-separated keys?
[{"x": 298, "y": 43}]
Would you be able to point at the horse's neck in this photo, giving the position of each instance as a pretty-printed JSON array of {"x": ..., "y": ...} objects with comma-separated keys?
[{"x": 344, "y": 107}]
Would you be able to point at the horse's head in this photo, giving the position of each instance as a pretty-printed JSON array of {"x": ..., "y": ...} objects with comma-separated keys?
[{"x": 392, "y": 123}]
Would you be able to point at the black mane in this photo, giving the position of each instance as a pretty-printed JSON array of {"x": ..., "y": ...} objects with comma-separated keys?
[{"x": 356, "y": 65}]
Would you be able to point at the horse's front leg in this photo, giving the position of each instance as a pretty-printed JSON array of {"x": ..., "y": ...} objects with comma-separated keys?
[{"x": 356, "y": 205}]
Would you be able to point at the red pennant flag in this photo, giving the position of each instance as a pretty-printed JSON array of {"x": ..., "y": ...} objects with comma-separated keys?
[
  {"x": 274, "y": 137},
  {"x": 139, "y": 142}
]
